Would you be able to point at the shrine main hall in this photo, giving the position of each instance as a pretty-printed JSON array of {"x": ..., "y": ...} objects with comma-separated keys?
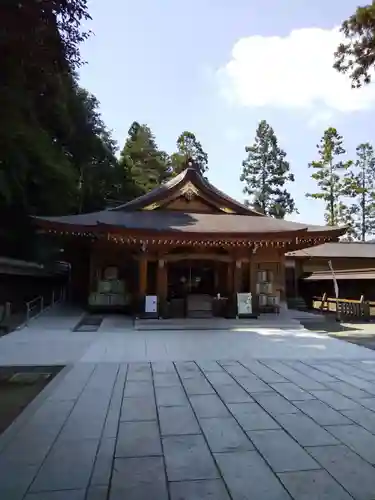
[{"x": 185, "y": 249}]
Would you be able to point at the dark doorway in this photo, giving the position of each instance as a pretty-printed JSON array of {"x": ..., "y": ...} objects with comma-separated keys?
[{"x": 189, "y": 277}]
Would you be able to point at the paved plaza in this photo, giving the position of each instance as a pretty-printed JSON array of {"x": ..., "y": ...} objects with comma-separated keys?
[{"x": 300, "y": 426}]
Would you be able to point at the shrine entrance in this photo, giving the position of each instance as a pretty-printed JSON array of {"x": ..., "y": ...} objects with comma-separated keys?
[{"x": 188, "y": 277}]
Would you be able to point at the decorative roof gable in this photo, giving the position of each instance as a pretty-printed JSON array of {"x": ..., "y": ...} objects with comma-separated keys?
[{"x": 195, "y": 193}]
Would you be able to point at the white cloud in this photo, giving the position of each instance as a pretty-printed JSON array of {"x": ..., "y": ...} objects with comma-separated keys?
[{"x": 291, "y": 72}]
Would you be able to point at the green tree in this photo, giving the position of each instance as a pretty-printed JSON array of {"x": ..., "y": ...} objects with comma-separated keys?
[
  {"x": 148, "y": 166},
  {"x": 265, "y": 173},
  {"x": 361, "y": 187},
  {"x": 356, "y": 56},
  {"x": 56, "y": 155},
  {"x": 189, "y": 148},
  {"x": 329, "y": 173}
]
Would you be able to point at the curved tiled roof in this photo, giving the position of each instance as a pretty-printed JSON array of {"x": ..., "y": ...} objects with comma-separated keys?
[
  {"x": 176, "y": 221},
  {"x": 192, "y": 175}
]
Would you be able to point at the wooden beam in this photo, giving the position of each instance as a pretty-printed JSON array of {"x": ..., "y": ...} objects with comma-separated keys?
[{"x": 162, "y": 280}]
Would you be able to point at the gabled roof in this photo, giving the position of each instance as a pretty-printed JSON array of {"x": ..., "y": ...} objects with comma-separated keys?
[
  {"x": 174, "y": 185},
  {"x": 176, "y": 221},
  {"x": 340, "y": 249}
]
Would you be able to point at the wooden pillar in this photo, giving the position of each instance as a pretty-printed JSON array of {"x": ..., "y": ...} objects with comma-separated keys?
[
  {"x": 162, "y": 281},
  {"x": 216, "y": 277},
  {"x": 142, "y": 278},
  {"x": 281, "y": 278},
  {"x": 253, "y": 268},
  {"x": 237, "y": 276},
  {"x": 230, "y": 278}
]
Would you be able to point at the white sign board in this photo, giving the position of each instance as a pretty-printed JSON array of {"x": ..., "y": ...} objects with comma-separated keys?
[
  {"x": 151, "y": 304},
  {"x": 244, "y": 303}
]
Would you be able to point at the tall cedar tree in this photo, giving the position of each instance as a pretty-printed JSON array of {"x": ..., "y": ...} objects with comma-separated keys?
[
  {"x": 148, "y": 166},
  {"x": 357, "y": 55},
  {"x": 361, "y": 186},
  {"x": 56, "y": 155},
  {"x": 189, "y": 148},
  {"x": 265, "y": 173},
  {"x": 329, "y": 176}
]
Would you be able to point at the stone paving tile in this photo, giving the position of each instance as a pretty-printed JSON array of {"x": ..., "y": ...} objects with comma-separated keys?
[
  {"x": 74, "y": 382},
  {"x": 253, "y": 384},
  {"x": 15, "y": 480},
  {"x": 357, "y": 372},
  {"x": 266, "y": 374},
  {"x": 58, "y": 495},
  {"x": 209, "y": 366},
  {"x": 350, "y": 379},
  {"x": 225, "y": 435},
  {"x": 368, "y": 403},
  {"x": 252, "y": 417},
  {"x": 351, "y": 471},
  {"x": 313, "y": 485},
  {"x": 138, "y": 479},
  {"x": 166, "y": 379},
  {"x": 208, "y": 406},
  {"x": 294, "y": 376},
  {"x": 163, "y": 367},
  {"x": 336, "y": 400},
  {"x": 139, "y": 372},
  {"x": 134, "y": 409},
  {"x": 311, "y": 371},
  {"x": 188, "y": 458},
  {"x": 305, "y": 430},
  {"x": 138, "y": 439},
  {"x": 97, "y": 493},
  {"x": 233, "y": 393},
  {"x": 358, "y": 439},
  {"x": 177, "y": 420},
  {"x": 237, "y": 370},
  {"x": 322, "y": 413},
  {"x": 348, "y": 390},
  {"x": 363, "y": 417},
  {"x": 248, "y": 477},
  {"x": 199, "y": 490},
  {"x": 171, "y": 396},
  {"x": 103, "y": 463},
  {"x": 113, "y": 415},
  {"x": 219, "y": 378},
  {"x": 188, "y": 369},
  {"x": 275, "y": 403},
  {"x": 137, "y": 389},
  {"x": 195, "y": 386},
  {"x": 33, "y": 442},
  {"x": 68, "y": 466},
  {"x": 292, "y": 392},
  {"x": 281, "y": 452}
]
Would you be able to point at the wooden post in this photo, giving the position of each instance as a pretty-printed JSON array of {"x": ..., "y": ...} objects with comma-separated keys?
[
  {"x": 162, "y": 285},
  {"x": 281, "y": 278},
  {"x": 230, "y": 278},
  {"x": 253, "y": 268},
  {"x": 237, "y": 277},
  {"x": 142, "y": 280}
]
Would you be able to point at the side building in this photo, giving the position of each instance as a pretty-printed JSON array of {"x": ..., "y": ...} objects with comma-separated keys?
[{"x": 185, "y": 243}]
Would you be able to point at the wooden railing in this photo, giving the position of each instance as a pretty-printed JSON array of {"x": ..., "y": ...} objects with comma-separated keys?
[{"x": 345, "y": 308}]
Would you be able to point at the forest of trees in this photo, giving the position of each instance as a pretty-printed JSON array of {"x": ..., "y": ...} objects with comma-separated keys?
[{"x": 58, "y": 157}]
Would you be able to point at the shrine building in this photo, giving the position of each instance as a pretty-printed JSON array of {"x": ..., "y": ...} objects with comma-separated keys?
[{"x": 187, "y": 245}]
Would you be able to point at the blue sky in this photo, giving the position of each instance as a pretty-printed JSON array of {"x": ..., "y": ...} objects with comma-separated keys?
[{"x": 216, "y": 68}]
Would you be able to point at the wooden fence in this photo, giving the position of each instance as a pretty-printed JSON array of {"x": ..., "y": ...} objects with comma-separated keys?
[{"x": 344, "y": 308}]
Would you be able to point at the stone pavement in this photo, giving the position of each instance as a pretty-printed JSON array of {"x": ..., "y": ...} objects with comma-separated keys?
[
  {"x": 256, "y": 429},
  {"x": 50, "y": 339}
]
